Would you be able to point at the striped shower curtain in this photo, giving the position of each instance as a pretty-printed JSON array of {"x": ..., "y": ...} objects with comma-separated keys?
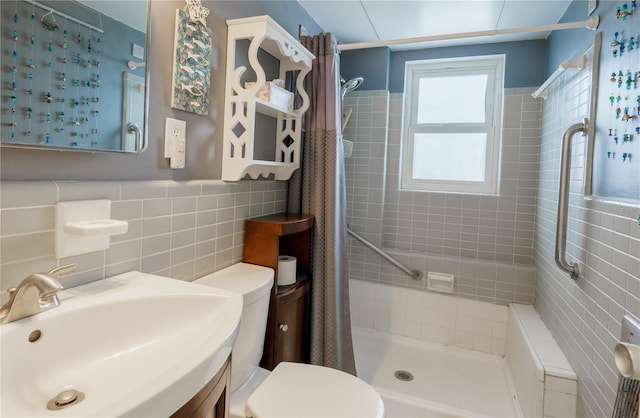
[{"x": 318, "y": 188}]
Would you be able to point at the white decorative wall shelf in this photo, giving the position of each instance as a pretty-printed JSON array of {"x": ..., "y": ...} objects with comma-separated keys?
[{"x": 242, "y": 105}]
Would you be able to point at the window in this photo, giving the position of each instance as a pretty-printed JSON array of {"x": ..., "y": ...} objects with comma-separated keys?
[{"x": 452, "y": 124}]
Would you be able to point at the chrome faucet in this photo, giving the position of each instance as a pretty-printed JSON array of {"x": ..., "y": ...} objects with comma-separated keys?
[{"x": 35, "y": 294}]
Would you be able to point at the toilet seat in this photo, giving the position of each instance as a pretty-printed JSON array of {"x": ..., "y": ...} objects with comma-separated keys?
[{"x": 303, "y": 390}]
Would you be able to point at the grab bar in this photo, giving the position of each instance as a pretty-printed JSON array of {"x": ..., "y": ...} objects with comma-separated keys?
[
  {"x": 135, "y": 129},
  {"x": 414, "y": 274},
  {"x": 563, "y": 200}
]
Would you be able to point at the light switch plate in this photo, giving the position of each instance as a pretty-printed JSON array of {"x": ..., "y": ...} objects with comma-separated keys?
[{"x": 137, "y": 51}]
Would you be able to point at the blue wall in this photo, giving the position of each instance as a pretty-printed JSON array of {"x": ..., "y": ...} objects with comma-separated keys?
[
  {"x": 563, "y": 44},
  {"x": 371, "y": 63},
  {"x": 525, "y": 67}
]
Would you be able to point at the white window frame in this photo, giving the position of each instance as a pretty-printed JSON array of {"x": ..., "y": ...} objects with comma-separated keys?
[{"x": 493, "y": 66}]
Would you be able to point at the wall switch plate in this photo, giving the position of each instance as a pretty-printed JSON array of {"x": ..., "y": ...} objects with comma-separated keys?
[
  {"x": 137, "y": 51},
  {"x": 175, "y": 138}
]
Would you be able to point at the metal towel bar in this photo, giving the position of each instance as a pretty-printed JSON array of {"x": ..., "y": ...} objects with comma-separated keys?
[
  {"x": 414, "y": 274},
  {"x": 563, "y": 199}
]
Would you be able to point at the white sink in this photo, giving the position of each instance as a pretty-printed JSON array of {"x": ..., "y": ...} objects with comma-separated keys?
[{"x": 134, "y": 344}]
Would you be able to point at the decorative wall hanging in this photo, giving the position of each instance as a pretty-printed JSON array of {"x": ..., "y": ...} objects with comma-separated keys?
[
  {"x": 191, "y": 60},
  {"x": 616, "y": 152}
]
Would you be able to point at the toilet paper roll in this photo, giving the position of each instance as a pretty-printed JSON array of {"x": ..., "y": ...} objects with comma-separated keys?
[
  {"x": 627, "y": 357},
  {"x": 286, "y": 270}
]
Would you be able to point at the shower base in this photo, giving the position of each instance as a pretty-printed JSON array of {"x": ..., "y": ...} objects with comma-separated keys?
[{"x": 447, "y": 381}]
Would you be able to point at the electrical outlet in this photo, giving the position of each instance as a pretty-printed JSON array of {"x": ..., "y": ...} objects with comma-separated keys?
[{"x": 175, "y": 137}]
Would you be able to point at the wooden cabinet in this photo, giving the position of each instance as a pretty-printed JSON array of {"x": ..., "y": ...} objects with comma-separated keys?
[
  {"x": 287, "y": 334},
  {"x": 213, "y": 399}
]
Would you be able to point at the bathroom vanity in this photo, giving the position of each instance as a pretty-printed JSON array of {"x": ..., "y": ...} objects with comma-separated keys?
[
  {"x": 213, "y": 399},
  {"x": 120, "y": 350},
  {"x": 287, "y": 337}
]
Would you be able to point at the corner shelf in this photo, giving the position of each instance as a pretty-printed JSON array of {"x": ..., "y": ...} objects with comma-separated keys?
[
  {"x": 287, "y": 334},
  {"x": 242, "y": 105}
]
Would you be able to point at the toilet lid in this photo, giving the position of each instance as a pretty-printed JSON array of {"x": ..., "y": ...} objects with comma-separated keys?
[
  {"x": 251, "y": 281},
  {"x": 303, "y": 390}
]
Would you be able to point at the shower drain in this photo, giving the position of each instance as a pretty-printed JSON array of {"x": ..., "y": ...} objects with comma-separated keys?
[{"x": 403, "y": 375}]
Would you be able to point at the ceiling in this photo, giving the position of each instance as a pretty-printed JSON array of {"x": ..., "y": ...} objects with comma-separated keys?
[{"x": 373, "y": 20}]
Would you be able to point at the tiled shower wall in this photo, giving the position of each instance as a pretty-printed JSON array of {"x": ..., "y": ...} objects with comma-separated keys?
[
  {"x": 604, "y": 238},
  {"x": 485, "y": 241},
  {"x": 180, "y": 230},
  {"x": 365, "y": 170}
]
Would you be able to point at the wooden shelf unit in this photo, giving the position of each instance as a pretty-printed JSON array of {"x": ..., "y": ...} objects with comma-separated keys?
[{"x": 267, "y": 237}]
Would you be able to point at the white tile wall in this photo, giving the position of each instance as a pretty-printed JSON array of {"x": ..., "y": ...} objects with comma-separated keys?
[
  {"x": 544, "y": 382},
  {"x": 488, "y": 281},
  {"x": 176, "y": 229},
  {"x": 445, "y": 319},
  {"x": 366, "y": 170}
]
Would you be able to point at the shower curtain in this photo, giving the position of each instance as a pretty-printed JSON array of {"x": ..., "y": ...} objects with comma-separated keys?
[{"x": 318, "y": 188}]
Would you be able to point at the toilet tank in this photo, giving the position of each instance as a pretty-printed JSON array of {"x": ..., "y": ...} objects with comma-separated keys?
[{"x": 254, "y": 284}]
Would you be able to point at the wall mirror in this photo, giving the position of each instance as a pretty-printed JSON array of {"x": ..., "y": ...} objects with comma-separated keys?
[{"x": 74, "y": 75}]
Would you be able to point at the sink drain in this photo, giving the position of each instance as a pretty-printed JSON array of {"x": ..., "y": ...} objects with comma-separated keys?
[
  {"x": 403, "y": 375},
  {"x": 65, "y": 399}
]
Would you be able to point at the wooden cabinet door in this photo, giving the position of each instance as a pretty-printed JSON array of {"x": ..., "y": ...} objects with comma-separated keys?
[
  {"x": 292, "y": 325},
  {"x": 213, "y": 400}
]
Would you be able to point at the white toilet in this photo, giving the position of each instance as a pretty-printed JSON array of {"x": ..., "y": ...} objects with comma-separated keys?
[{"x": 291, "y": 389}]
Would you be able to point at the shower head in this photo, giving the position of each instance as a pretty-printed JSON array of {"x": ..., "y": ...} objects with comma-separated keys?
[{"x": 351, "y": 85}]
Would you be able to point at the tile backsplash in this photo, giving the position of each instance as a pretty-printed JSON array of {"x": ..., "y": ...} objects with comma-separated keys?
[{"x": 182, "y": 230}]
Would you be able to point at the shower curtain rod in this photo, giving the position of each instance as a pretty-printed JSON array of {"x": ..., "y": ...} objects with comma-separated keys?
[{"x": 591, "y": 23}]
